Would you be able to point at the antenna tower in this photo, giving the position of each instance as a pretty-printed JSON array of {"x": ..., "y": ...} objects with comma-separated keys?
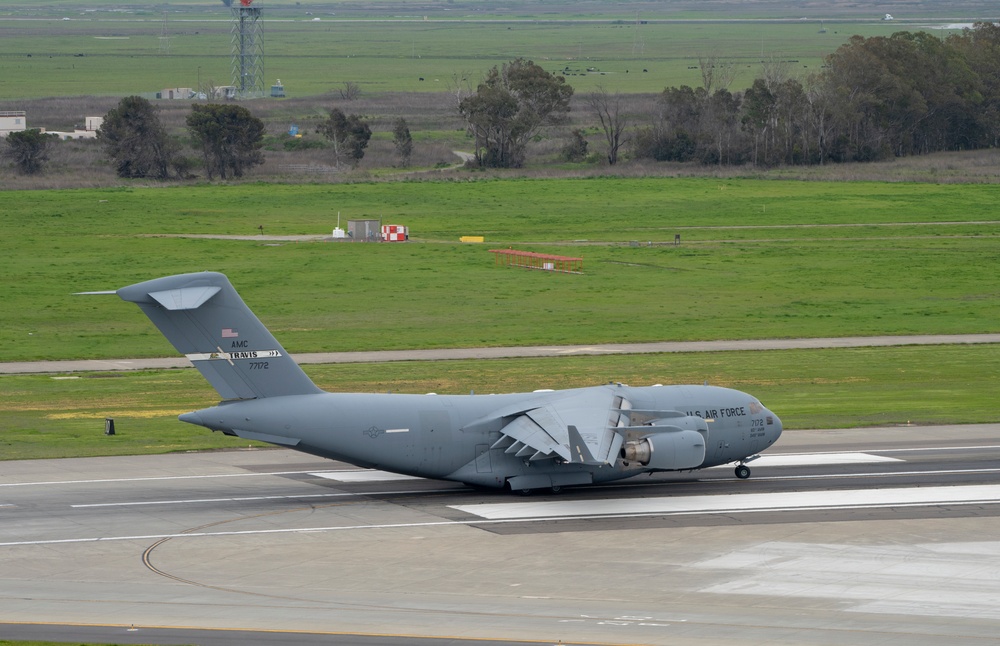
[
  {"x": 164, "y": 37},
  {"x": 248, "y": 52},
  {"x": 638, "y": 44}
]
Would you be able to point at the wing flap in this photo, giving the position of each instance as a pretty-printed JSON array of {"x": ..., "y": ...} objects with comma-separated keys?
[
  {"x": 529, "y": 435},
  {"x": 579, "y": 428}
]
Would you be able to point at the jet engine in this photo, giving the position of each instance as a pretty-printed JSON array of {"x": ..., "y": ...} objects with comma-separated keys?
[{"x": 668, "y": 450}]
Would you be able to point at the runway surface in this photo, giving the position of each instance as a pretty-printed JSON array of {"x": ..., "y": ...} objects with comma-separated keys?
[
  {"x": 885, "y": 536},
  {"x": 440, "y": 354}
]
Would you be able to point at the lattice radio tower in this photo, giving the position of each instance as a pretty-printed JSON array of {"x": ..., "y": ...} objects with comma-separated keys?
[{"x": 248, "y": 52}]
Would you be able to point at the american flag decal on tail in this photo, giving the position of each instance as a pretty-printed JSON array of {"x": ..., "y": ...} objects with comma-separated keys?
[{"x": 230, "y": 333}]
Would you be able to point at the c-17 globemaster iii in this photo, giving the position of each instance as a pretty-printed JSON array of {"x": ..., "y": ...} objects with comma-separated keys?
[{"x": 524, "y": 441}]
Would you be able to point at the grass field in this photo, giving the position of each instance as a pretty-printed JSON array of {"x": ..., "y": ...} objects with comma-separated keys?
[
  {"x": 47, "y": 416},
  {"x": 116, "y": 54},
  {"x": 757, "y": 260}
]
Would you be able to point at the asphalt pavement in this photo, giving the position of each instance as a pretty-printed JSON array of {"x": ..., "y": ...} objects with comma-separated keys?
[{"x": 444, "y": 354}]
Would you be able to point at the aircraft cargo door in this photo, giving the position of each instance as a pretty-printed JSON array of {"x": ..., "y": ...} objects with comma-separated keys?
[{"x": 483, "y": 463}]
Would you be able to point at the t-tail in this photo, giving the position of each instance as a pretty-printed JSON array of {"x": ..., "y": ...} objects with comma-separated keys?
[{"x": 206, "y": 320}]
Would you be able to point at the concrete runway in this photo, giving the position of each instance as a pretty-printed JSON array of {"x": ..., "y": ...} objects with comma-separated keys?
[{"x": 885, "y": 536}]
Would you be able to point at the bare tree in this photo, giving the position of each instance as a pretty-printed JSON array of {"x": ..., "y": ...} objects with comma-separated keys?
[
  {"x": 775, "y": 71},
  {"x": 350, "y": 91},
  {"x": 716, "y": 74},
  {"x": 614, "y": 121},
  {"x": 459, "y": 85}
]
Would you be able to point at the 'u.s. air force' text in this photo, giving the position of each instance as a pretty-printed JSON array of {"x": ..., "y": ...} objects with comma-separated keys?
[{"x": 719, "y": 413}]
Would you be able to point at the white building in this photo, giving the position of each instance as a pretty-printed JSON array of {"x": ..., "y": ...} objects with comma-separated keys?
[
  {"x": 12, "y": 121},
  {"x": 90, "y": 132},
  {"x": 16, "y": 121},
  {"x": 182, "y": 93}
]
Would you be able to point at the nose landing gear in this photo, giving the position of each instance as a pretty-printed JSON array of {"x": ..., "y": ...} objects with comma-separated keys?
[{"x": 742, "y": 470}]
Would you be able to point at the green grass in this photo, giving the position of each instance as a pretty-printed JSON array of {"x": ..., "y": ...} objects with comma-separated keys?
[
  {"x": 50, "y": 416},
  {"x": 797, "y": 271},
  {"x": 122, "y": 54},
  {"x": 758, "y": 259}
]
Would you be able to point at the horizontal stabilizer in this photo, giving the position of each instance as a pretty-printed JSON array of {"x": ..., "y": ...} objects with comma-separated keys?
[{"x": 188, "y": 298}]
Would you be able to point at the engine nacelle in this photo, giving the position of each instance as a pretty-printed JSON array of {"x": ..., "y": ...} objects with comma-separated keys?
[{"x": 669, "y": 451}]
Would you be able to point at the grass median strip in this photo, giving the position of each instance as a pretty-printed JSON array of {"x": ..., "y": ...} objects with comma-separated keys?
[{"x": 46, "y": 417}]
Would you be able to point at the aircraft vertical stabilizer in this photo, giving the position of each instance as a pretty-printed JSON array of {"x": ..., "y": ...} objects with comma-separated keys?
[{"x": 205, "y": 319}]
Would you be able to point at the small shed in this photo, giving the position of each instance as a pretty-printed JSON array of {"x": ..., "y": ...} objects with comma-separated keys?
[
  {"x": 364, "y": 230},
  {"x": 395, "y": 233}
]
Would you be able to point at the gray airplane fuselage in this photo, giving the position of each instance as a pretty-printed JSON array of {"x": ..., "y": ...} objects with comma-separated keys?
[{"x": 437, "y": 436}]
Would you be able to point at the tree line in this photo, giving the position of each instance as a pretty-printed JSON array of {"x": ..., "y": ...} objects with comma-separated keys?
[
  {"x": 229, "y": 138},
  {"x": 906, "y": 94},
  {"x": 876, "y": 98}
]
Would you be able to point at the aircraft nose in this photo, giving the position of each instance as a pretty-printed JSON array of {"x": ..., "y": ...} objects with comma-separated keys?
[{"x": 774, "y": 430}]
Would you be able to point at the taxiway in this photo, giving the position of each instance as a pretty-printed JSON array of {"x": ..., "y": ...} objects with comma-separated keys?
[{"x": 884, "y": 535}]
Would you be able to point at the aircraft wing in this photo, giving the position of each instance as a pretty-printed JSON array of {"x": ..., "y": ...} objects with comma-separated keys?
[{"x": 578, "y": 427}]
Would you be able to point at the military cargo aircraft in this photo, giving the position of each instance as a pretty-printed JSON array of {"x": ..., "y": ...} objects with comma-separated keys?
[{"x": 525, "y": 441}]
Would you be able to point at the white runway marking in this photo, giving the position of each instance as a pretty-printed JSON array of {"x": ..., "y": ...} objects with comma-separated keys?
[
  {"x": 149, "y": 478},
  {"x": 734, "y": 503},
  {"x": 624, "y": 508},
  {"x": 362, "y": 476},
  {"x": 368, "y": 475},
  {"x": 817, "y": 459},
  {"x": 307, "y": 496}
]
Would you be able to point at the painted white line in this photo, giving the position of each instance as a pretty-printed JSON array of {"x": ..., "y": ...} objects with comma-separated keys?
[
  {"x": 814, "y": 459},
  {"x": 754, "y": 503},
  {"x": 157, "y": 478},
  {"x": 941, "y": 448},
  {"x": 736, "y": 502},
  {"x": 883, "y": 474},
  {"x": 362, "y": 476},
  {"x": 149, "y": 479},
  {"x": 194, "y": 501},
  {"x": 445, "y": 523}
]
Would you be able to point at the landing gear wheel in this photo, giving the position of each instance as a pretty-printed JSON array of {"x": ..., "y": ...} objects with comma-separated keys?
[
  {"x": 742, "y": 471},
  {"x": 555, "y": 489}
]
